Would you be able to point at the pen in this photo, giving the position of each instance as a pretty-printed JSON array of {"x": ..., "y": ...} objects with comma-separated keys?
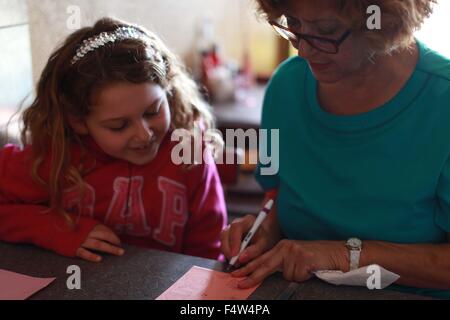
[{"x": 261, "y": 216}]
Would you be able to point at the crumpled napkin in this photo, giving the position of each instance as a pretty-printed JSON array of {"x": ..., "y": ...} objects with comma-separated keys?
[{"x": 360, "y": 277}]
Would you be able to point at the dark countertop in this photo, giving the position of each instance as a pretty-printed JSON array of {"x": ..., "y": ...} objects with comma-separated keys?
[{"x": 145, "y": 274}]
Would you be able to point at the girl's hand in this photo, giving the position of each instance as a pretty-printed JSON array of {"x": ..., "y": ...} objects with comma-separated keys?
[
  {"x": 296, "y": 259},
  {"x": 262, "y": 241},
  {"x": 102, "y": 239}
]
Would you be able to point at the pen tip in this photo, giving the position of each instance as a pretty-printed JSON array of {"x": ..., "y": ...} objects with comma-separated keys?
[
  {"x": 269, "y": 204},
  {"x": 229, "y": 267}
]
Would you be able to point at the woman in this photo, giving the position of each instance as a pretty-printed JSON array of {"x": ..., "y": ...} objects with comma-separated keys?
[{"x": 364, "y": 123}]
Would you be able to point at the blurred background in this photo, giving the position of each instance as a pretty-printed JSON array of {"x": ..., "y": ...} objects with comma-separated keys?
[
  {"x": 31, "y": 29},
  {"x": 226, "y": 47}
]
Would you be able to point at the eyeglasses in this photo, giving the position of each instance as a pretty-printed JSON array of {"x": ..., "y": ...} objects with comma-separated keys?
[{"x": 321, "y": 44}]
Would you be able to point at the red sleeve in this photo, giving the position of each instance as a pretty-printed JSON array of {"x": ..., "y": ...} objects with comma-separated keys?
[
  {"x": 207, "y": 211},
  {"x": 23, "y": 215}
]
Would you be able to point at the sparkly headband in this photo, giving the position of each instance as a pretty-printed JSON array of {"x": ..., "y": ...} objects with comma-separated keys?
[{"x": 121, "y": 33}]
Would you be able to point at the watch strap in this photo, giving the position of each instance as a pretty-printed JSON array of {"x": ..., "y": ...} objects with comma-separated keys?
[{"x": 354, "y": 259}]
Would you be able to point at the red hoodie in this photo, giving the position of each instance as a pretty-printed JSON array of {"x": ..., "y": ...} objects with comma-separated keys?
[{"x": 159, "y": 205}]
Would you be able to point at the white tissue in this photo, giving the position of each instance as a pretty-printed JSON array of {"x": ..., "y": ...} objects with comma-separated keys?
[{"x": 360, "y": 277}]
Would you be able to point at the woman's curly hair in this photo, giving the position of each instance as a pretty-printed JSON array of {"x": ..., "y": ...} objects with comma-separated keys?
[{"x": 399, "y": 19}]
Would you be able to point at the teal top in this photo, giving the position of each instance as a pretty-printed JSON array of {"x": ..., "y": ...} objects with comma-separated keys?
[{"x": 380, "y": 175}]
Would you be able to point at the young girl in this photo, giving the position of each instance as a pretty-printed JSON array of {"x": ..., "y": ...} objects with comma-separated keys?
[{"x": 96, "y": 168}]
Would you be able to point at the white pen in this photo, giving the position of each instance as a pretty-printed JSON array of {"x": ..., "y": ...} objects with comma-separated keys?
[{"x": 261, "y": 216}]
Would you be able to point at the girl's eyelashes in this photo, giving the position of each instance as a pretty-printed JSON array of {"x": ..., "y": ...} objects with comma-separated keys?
[
  {"x": 152, "y": 113},
  {"x": 118, "y": 129},
  {"x": 146, "y": 115}
]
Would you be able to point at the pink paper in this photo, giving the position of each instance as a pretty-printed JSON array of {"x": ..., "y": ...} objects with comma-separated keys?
[
  {"x": 205, "y": 284},
  {"x": 15, "y": 286}
]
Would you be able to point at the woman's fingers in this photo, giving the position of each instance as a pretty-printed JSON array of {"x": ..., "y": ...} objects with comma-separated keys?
[
  {"x": 87, "y": 255},
  {"x": 252, "y": 266},
  {"x": 289, "y": 271},
  {"x": 253, "y": 251},
  {"x": 258, "y": 269},
  {"x": 237, "y": 233},
  {"x": 283, "y": 257},
  {"x": 224, "y": 242},
  {"x": 232, "y": 236},
  {"x": 100, "y": 245}
]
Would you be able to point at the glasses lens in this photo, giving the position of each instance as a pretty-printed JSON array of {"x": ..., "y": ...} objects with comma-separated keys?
[
  {"x": 282, "y": 27},
  {"x": 322, "y": 44},
  {"x": 282, "y": 21}
]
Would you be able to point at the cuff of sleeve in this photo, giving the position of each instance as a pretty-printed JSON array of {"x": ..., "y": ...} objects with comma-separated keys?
[{"x": 67, "y": 240}]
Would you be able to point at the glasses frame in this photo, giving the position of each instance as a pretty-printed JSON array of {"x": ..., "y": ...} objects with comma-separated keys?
[{"x": 307, "y": 37}]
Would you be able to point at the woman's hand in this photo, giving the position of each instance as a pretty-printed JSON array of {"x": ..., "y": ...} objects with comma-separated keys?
[
  {"x": 264, "y": 239},
  {"x": 102, "y": 239},
  {"x": 296, "y": 259}
]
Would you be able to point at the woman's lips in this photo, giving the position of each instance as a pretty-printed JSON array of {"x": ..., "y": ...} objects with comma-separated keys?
[{"x": 319, "y": 66}]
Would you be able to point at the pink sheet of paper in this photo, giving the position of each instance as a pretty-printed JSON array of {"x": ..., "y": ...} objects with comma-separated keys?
[
  {"x": 15, "y": 286},
  {"x": 205, "y": 284}
]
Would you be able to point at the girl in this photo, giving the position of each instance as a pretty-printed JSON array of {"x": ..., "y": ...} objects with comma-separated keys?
[{"x": 96, "y": 168}]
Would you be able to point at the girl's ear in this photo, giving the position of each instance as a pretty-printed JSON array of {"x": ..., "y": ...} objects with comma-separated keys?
[{"x": 78, "y": 125}]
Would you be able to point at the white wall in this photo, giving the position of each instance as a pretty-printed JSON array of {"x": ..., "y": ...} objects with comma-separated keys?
[
  {"x": 15, "y": 55},
  {"x": 435, "y": 31},
  {"x": 174, "y": 20}
]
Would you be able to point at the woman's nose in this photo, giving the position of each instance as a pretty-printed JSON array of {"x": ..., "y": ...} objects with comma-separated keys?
[{"x": 305, "y": 50}]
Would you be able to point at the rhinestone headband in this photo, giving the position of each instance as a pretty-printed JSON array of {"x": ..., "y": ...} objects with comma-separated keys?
[{"x": 121, "y": 33}]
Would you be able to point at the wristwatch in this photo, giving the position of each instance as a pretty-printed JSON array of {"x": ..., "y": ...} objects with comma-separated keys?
[{"x": 355, "y": 246}]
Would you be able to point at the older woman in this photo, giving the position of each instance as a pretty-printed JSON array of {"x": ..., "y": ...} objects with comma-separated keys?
[{"x": 364, "y": 123}]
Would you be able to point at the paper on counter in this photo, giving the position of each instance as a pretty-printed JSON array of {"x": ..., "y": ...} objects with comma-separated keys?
[
  {"x": 15, "y": 286},
  {"x": 205, "y": 284}
]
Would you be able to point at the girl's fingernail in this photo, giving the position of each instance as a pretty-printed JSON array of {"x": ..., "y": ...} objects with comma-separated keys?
[{"x": 121, "y": 251}]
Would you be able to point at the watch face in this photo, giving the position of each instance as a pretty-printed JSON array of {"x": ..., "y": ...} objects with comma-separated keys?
[{"x": 354, "y": 243}]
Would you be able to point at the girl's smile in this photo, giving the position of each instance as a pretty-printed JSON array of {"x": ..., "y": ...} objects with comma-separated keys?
[{"x": 148, "y": 149}]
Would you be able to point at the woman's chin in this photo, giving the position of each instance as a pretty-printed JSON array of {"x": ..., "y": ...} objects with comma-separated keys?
[{"x": 327, "y": 78}]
